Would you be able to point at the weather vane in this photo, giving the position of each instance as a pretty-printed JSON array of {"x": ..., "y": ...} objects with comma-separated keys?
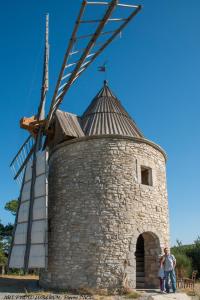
[{"x": 103, "y": 68}]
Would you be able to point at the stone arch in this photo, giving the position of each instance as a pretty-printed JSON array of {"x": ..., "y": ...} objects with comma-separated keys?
[
  {"x": 152, "y": 250},
  {"x": 144, "y": 265}
]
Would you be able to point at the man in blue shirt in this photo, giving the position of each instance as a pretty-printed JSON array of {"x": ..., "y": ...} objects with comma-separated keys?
[{"x": 169, "y": 263}]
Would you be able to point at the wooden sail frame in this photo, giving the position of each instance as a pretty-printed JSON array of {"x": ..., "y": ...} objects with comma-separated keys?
[{"x": 65, "y": 81}]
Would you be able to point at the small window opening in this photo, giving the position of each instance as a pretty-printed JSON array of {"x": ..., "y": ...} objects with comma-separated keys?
[{"x": 146, "y": 175}]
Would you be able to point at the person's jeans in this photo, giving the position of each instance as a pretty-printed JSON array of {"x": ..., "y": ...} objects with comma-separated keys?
[{"x": 172, "y": 276}]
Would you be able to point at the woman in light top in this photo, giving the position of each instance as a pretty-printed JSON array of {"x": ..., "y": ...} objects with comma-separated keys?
[{"x": 161, "y": 275}]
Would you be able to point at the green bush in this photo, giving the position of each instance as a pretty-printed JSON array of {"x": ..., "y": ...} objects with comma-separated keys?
[
  {"x": 190, "y": 251},
  {"x": 183, "y": 265},
  {"x": 3, "y": 258}
]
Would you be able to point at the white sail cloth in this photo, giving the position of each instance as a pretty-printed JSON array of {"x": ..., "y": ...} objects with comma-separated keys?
[{"x": 39, "y": 224}]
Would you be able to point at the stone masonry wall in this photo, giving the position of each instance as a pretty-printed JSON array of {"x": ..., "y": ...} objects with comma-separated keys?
[{"x": 98, "y": 208}]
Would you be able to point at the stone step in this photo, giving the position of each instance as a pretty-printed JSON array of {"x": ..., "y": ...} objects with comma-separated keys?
[
  {"x": 140, "y": 279},
  {"x": 139, "y": 263},
  {"x": 139, "y": 274},
  {"x": 139, "y": 267},
  {"x": 139, "y": 255},
  {"x": 140, "y": 271},
  {"x": 141, "y": 259},
  {"x": 139, "y": 285}
]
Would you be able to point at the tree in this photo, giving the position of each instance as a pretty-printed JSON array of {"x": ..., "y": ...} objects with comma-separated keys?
[
  {"x": 12, "y": 206},
  {"x": 3, "y": 258},
  {"x": 6, "y": 235},
  {"x": 6, "y": 231},
  {"x": 197, "y": 242},
  {"x": 179, "y": 243}
]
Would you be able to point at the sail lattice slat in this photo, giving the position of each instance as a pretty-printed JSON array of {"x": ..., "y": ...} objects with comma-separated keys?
[
  {"x": 21, "y": 159},
  {"x": 89, "y": 45}
]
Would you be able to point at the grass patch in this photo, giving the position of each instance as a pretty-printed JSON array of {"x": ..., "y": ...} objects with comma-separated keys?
[
  {"x": 129, "y": 293},
  {"x": 191, "y": 293},
  {"x": 37, "y": 293},
  {"x": 99, "y": 297},
  {"x": 195, "y": 294},
  {"x": 18, "y": 276},
  {"x": 133, "y": 295}
]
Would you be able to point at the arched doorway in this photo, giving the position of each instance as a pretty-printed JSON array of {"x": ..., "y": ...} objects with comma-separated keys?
[
  {"x": 147, "y": 251},
  {"x": 139, "y": 254}
]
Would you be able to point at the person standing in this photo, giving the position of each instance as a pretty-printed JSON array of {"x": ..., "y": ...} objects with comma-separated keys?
[
  {"x": 169, "y": 264},
  {"x": 161, "y": 276}
]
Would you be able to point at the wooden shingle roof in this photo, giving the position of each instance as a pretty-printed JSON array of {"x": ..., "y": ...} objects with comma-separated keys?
[
  {"x": 69, "y": 124},
  {"x": 66, "y": 126},
  {"x": 106, "y": 116}
]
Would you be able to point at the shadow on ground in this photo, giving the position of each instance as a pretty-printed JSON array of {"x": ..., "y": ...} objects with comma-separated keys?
[{"x": 15, "y": 285}]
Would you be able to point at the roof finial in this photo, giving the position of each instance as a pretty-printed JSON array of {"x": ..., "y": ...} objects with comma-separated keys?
[{"x": 105, "y": 82}]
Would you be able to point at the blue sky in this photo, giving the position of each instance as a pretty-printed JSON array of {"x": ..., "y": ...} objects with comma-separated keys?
[{"x": 154, "y": 69}]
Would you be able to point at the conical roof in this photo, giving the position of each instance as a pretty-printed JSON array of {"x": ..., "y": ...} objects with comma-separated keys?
[{"x": 106, "y": 116}]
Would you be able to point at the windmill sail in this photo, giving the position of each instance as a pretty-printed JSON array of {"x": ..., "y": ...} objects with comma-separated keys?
[
  {"x": 29, "y": 244},
  {"x": 38, "y": 233}
]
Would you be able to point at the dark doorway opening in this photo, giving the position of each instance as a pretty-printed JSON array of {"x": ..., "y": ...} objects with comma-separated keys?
[
  {"x": 147, "y": 262},
  {"x": 140, "y": 262}
]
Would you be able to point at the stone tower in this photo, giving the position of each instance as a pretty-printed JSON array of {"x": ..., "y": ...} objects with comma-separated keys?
[{"x": 108, "y": 206}]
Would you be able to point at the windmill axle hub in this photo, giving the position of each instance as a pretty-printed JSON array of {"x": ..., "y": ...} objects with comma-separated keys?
[{"x": 32, "y": 124}]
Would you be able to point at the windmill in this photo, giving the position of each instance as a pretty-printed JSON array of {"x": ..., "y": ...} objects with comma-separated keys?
[{"x": 30, "y": 239}]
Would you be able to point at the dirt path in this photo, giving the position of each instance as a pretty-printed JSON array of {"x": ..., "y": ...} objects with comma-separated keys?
[{"x": 176, "y": 296}]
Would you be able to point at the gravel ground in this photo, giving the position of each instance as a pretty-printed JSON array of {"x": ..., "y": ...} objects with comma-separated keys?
[{"x": 26, "y": 287}]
